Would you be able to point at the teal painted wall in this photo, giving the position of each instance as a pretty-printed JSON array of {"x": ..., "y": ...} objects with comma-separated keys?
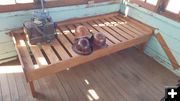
[
  {"x": 169, "y": 29},
  {"x": 14, "y": 20}
]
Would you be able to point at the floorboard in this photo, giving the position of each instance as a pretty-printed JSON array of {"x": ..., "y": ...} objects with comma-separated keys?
[{"x": 122, "y": 76}]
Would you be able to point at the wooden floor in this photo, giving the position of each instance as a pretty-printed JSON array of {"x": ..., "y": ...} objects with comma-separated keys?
[{"x": 123, "y": 76}]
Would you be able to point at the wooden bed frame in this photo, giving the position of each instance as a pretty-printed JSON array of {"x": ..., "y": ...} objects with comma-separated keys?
[{"x": 44, "y": 59}]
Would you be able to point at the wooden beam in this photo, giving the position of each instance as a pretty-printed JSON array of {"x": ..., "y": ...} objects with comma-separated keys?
[
  {"x": 161, "y": 5},
  {"x": 167, "y": 51},
  {"x": 33, "y": 92},
  {"x": 144, "y": 5},
  {"x": 28, "y": 6}
]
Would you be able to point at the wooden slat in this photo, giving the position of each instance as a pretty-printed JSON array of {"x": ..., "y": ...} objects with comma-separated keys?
[
  {"x": 66, "y": 43},
  {"x": 115, "y": 27},
  {"x": 130, "y": 26},
  {"x": 115, "y": 34},
  {"x": 77, "y": 20},
  {"x": 168, "y": 52},
  {"x": 108, "y": 35},
  {"x": 137, "y": 23},
  {"x": 40, "y": 59},
  {"x": 67, "y": 33},
  {"x": 92, "y": 30},
  {"x": 60, "y": 50},
  {"x": 82, "y": 59},
  {"x": 122, "y": 26},
  {"x": 49, "y": 52},
  {"x": 71, "y": 28},
  {"x": 124, "y": 29},
  {"x": 23, "y": 55}
]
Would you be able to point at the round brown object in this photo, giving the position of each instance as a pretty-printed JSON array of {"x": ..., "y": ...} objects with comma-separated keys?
[
  {"x": 81, "y": 32},
  {"x": 82, "y": 47},
  {"x": 99, "y": 40}
]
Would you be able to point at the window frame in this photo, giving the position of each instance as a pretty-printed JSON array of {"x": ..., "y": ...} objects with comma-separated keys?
[
  {"x": 159, "y": 8},
  {"x": 29, "y": 6}
]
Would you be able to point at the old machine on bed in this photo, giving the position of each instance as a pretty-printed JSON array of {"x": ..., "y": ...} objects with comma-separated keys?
[{"x": 41, "y": 27}]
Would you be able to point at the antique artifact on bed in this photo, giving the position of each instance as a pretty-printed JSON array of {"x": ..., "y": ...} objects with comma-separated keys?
[
  {"x": 99, "y": 40},
  {"x": 82, "y": 44},
  {"x": 85, "y": 42},
  {"x": 82, "y": 47},
  {"x": 40, "y": 28},
  {"x": 82, "y": 31}
]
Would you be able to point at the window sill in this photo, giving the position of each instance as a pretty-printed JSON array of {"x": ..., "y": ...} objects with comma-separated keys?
[{"x": 30, "y": 6}]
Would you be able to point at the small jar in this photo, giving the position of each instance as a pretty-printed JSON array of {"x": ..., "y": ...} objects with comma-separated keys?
[
  {"x": 99, "y": 40},
  {"x": 82, "y": 47}
]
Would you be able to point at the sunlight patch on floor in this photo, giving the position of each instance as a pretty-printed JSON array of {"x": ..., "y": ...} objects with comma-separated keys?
[
  {"x": 90, "y": 98},
  {"x": 93, "y": 94},
  {"x": 87, "y": 82},
  {"x": 11, "y": 69}
]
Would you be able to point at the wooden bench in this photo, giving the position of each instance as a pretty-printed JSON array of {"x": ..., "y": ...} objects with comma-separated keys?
[{"x": 44, "y": 59}]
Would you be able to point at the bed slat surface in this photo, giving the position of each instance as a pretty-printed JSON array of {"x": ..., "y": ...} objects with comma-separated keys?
[{"x": 119, "y": 31}]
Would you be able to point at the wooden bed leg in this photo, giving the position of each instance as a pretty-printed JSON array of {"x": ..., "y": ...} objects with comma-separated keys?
[
  {"x": 32, "y": 88},
  {"x": 141, "y": 47}
]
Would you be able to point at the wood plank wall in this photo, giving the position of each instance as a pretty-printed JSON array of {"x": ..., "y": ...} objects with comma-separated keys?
[
  {"x": 169, "y": 29},
  {"x": 13, "y": 20}
]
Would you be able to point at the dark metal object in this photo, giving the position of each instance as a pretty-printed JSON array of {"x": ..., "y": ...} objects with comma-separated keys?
[
  {"x": 39, "y": 32},
  {"x": 40, "y": 28}
]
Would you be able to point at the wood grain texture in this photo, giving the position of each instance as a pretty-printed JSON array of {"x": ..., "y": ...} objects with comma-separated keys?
[
  {"x": 167, "y": 51},
  {"x": 65, "y": 39},
  {"x": 122, "y": 75},
  {"x": 23, "y": 55}
]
